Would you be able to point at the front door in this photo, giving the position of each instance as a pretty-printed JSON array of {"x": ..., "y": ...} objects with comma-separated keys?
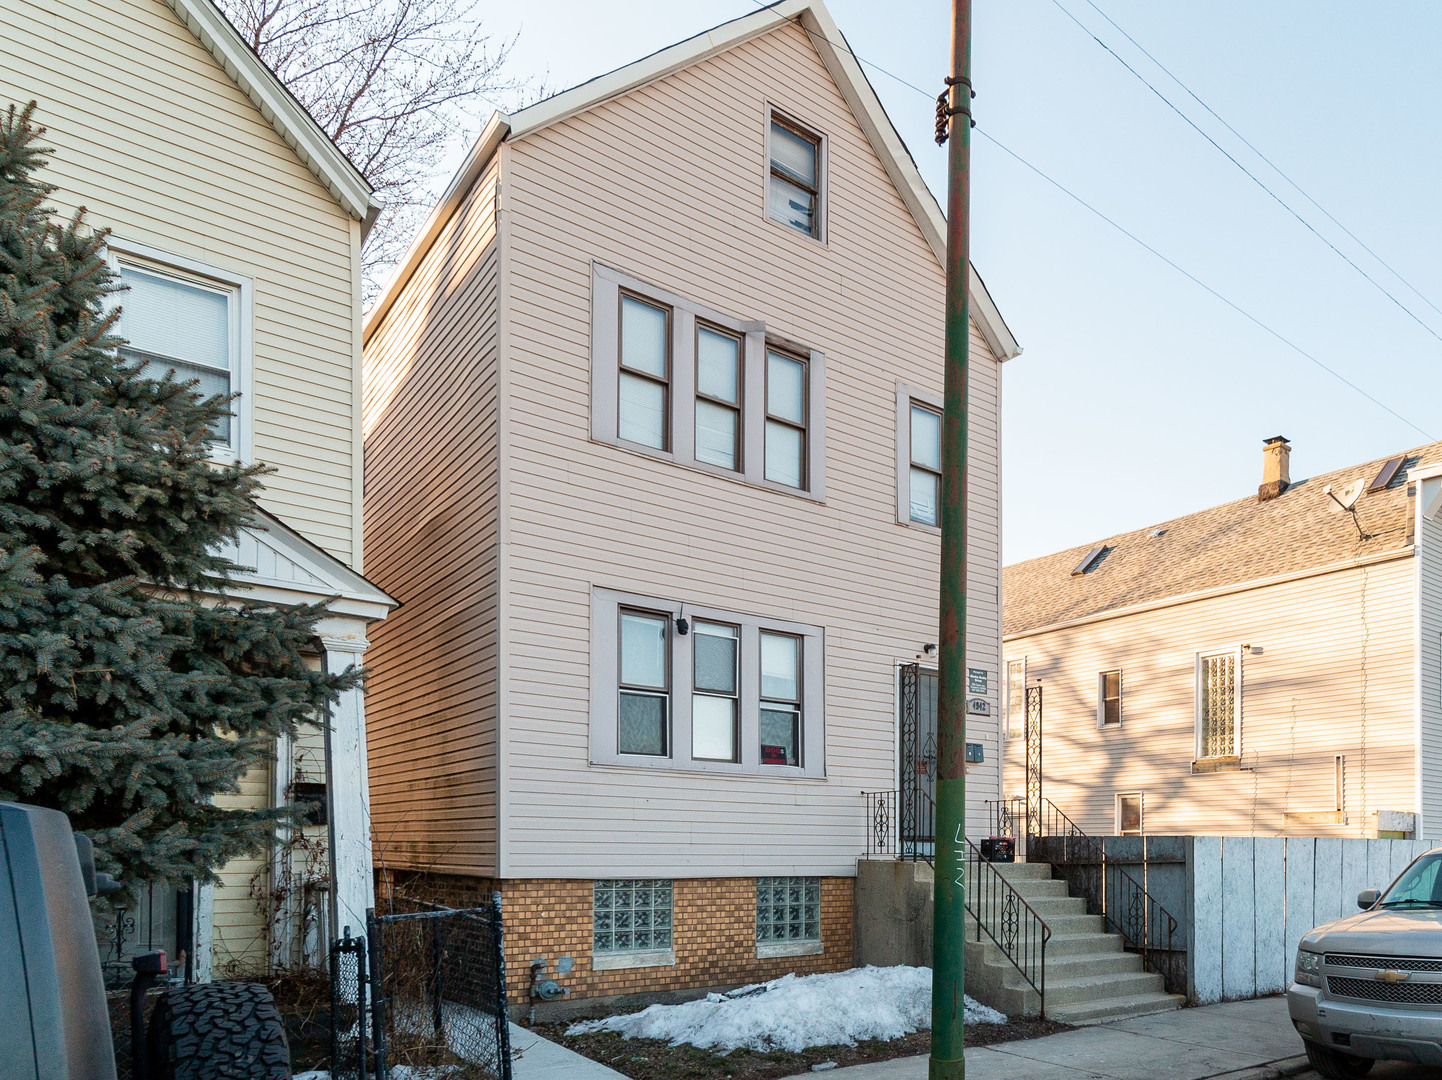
[{"x": 917, "y": 797}]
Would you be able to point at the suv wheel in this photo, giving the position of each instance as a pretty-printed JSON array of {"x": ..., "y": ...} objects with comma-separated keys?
[
  {"x": 1335, "y": 1065},
  {"x": 211, "y": 1031}
]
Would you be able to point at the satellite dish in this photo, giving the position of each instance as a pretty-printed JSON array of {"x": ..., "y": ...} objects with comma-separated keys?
[{"x": 1346, "y": 497}]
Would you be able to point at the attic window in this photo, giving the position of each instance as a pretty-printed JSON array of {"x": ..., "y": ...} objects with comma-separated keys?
[
  {"x": 794, "y": 187},
  {"x": 1093, "y": 556},
  {"x": 1385, "y": 477}
]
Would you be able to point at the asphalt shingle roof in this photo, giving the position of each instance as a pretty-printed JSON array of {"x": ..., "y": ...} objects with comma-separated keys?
[{"x": 1227, "y": 545}]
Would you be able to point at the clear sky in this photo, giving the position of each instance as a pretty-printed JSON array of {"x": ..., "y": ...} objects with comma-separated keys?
[{"x": 1139, "y": 396}]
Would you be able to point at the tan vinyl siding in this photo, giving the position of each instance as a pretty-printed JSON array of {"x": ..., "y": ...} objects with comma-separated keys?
[
  {"x": 666, "y": 184},
  {"x": 241, "y": 942},
  {"x": 431, "y": 514},
  {"x": 160, "y": 146},
  {"x": 1317, "y": 641},
  {"x": 1429, "y": 689}
]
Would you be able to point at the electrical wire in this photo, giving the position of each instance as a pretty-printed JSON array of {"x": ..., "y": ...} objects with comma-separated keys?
[
  {"x": 1270, "y": 163},
  {"x": 1252, "y": 176}
]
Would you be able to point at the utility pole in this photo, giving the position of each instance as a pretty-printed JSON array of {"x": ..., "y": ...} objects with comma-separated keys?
[{"x": 948, "y": 1017}]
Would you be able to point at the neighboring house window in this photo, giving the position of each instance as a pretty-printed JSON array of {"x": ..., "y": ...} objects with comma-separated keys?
[
  {"x": 631, "y": 921},
  {"x": 1219, "y": 704},
  {"x": 1129, "y": 815},
  {"x": 718, "y": 398},
  {"x": 177, "y": 317},
  {"x": 793, "y": 194},
  {"x": 788, "y": 913},
  {"x": 715, "y": 704},
  {"x": 780, "y": 699},
  {"x": 1109, "y": 699},
  {"x": 643, "y": 711},
  {"x": 645, "y": 380},
  {"x": 679, "y": 381},
  {"x": 785, "y": 419},
  {"x": 1339, "y": 782},
  {"x": 1016, "y": 699},
  {"x": 681, "y": 686}
]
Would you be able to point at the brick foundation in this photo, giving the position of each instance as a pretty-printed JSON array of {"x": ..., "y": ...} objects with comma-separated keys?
[{"x": 713, "y": 935}]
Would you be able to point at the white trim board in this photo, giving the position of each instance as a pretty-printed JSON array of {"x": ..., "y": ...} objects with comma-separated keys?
[{"x": 839, "y": 60}]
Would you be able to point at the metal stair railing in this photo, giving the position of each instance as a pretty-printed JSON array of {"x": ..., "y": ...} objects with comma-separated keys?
[
  {"x": 1007, "y": 816},
  {"x": 1013, "y": 924},
  {"x": 900, "y": 825}
]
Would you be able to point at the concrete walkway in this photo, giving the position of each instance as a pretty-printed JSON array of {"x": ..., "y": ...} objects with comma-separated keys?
[
  {"x": 1252, "y": 1039},
  {"x": 535, "y": 1058}
]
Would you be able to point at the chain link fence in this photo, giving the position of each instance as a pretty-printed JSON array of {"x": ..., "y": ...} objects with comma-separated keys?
[
  {"x": 441, "y": 998},
  {"x": 349, "y": 1054}
]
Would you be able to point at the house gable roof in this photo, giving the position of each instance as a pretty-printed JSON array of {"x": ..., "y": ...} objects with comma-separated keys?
[
  {"x": 839, "y": 60},
  {"x": 280, "y": 108},
  {"x": 1241, "y": 542}
]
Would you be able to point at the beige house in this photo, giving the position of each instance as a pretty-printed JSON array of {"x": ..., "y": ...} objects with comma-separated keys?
[
  {"x": 237, "y": 228},
  {"x": 651, "y": 414},
  {"x": 1266, "y": 667}
]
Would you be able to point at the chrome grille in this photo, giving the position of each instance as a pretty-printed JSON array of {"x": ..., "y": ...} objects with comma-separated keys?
[
  {"x": 1396, "y": 963},
  {"x": 1405, "y": 993}
]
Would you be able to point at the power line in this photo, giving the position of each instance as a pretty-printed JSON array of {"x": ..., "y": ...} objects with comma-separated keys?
[
  {"x": 1271, "y": 164},
  {"x": 1130, "y": 235},
  {"x": 1198, "y": 281},
  {"x": 1252, "y": 176}
]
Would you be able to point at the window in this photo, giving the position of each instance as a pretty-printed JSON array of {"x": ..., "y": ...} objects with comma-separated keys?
[
  {"x": 780, "y": 699},
  {"x": 1339, "y": 782},
  {"x": 785, "y": 420},
  {"x": 1109, "y": 699},
  {"x": 793, "y": 195},
  {"x": 191, "y": 323},
  {"x": 645, "y": 382},
  {"x": 925, "y": 476},
  {"x": 715, "y": 705},
  {"x": 684, "y": 686},
  {"x": 675, "y": 380},
  {"x": 718, "y": 398},
  {"x": 1129, "y": 815},
  {"x": 1016, "y": 699},
  {"x": 643, "y": 713},
  {"x": 631, "y": 923},
  {"x": 1219, "y": 705},
  {"x": 788, "y": 916}
]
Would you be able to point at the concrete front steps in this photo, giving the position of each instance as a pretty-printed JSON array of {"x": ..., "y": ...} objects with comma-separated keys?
[{"x": 1089, "y": 977}]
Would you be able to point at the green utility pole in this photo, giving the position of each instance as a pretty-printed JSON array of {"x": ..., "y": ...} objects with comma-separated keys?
[{"x": 948, "y": 1018}]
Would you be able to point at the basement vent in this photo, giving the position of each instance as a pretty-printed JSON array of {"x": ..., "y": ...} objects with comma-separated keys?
[
  {"x": 1092, "y": 558},
  {"x": 1389, "y": 471}
]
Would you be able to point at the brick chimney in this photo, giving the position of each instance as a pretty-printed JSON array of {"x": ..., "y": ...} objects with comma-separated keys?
[{"x": 1276, "y": 475}]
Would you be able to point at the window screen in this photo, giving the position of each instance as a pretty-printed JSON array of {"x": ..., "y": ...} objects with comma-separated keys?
[
  {"x": 795, "y": 182},
  {"x": 788, "y": 909},
  {"x": 630, "y": 915}
]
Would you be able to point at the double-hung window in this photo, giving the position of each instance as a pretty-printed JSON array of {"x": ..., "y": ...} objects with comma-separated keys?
[
  {"x": 1109, "y": 698},
  {"x": 675, "y": 380},
  {"x": 188, "y": 323},
  {"x": 1219, "y": 704},
  {"x": 918, "y": 457},
  {"x": 682, "y": 686},
  {"x": 794, "y": 184}
]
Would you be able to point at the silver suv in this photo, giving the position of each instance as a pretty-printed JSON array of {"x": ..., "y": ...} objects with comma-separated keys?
[{"x": 1369, "y": 986}]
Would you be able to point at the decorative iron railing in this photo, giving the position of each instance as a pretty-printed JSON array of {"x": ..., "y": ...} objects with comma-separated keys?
[
  {"x": 900, "y": 825},
  {"x": 999, "y": 910},
  {"x": 1008, "y": 817}
]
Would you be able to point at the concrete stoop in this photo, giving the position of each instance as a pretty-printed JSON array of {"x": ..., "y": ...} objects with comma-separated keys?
[{"x": 1089, "y": 977}]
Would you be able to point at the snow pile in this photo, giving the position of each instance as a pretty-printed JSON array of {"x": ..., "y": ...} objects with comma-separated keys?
[{"x": 795, "y": 1012}]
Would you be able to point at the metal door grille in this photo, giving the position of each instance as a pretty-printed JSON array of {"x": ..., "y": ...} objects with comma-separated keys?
[{"x": 1033, "y": 761}]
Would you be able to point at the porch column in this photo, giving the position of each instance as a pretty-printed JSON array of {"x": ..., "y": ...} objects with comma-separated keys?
[{"x": 352, "y": 878}]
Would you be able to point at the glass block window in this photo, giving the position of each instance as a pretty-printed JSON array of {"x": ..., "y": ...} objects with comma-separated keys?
[
  {"x": 788, "y": 909},
  {"x": 630, "y": 915},
  {"x": 1217, "y": 708}
]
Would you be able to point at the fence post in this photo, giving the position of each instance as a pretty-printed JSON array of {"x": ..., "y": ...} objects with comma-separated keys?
[
  {"x": 503, "y": 1026},
  {"x": 378, "y": 996}
]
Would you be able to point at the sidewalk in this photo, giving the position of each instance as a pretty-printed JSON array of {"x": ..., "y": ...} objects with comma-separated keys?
[
  {"x": 1252, "y": 1039},
  {"x": 535, "y": 1058}
]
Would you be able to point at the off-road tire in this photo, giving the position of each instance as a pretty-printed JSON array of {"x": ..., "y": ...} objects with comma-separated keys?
[
  {"x": 217, "y": 1031},
  {"x": 1335, "y": 1065}
]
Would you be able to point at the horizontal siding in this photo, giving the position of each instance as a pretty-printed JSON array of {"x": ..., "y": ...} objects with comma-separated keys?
[
  {"x": 241, "y": 935},
  {"x": 666, "y": 183},
  {"x": 159, "y": 145},
  {"x": 431, "y": 542},
  {"x": 1429, "y": 570},
  {"x": 1318, "y": 641}
]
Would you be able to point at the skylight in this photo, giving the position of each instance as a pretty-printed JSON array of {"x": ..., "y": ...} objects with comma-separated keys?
[
  {"x": 1092, "y": 558},
  {"x": 1384, "y": 477}
]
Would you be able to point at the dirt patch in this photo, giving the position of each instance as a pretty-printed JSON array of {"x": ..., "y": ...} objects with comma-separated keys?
[{"x": 655, "y": 1059}]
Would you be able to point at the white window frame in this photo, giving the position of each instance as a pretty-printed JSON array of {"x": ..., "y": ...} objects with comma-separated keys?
[
  {"x": 122, "y": 252},
  {"x": 1141, "y": 799},
  {"x": 607, "y": 286},
  {"x": 1102, "y": 698},
  {"x": 1006, "y": 728},
  {"x": 605, "y": 608},
  {"x": 1236, "y": 651},
  {"x": 788, "y": 118},
  {"x": 906, "y": 396}
]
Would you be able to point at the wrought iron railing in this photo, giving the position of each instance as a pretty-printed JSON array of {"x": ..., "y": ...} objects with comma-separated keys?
[
  {"x": 1008, "y": 817},
  {"x": 900, "y": 825},
  {"x": 999, "y": 910}
]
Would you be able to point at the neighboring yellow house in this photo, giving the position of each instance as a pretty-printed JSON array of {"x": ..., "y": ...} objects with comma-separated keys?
[
  {"x": 651, "y": 445},
  {"x": 1266, "y": 667},
  {"x": 237, "y": 225}
]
